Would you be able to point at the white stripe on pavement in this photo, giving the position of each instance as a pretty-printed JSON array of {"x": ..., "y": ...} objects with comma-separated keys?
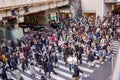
[
  {"x": 96, "y": 61},
  {"x": 84, "y": 75},
  {"x": 28, "y": 72},
  {"x": 67, "y": 69},
  {"x": 13, "y": 78},
  {"x": 36, "y": 75},
  {"x": 96, "y": 65},
  {"x": 52, "y": 75},
  {"x": 96, "y": 57},
  {"x": 82, "y": 68},
  {"x": 64, "y": 74},
  {"x": 63, "y": 67},
  {"x": 24, "y": 76}
]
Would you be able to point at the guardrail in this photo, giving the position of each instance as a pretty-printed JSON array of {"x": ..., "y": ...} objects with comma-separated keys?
[{"x": 116, "y": 72}]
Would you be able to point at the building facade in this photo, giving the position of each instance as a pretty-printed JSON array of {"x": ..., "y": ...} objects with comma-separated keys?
[
  {"x": 97, "y": 7},
  {"x": 43, "y": 10},
  {"x": 36, "y": 8}
]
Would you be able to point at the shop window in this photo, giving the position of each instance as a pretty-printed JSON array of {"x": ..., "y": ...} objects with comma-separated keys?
[{"x": 49, "y": 16}]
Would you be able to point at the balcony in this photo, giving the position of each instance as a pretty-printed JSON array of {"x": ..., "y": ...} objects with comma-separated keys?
[
  {"x": 8, "y": 4},
  {"x": 112, "y": 1}
]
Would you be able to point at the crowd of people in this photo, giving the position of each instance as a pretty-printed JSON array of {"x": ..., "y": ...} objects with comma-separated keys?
[{"x": 73, "y": 39}]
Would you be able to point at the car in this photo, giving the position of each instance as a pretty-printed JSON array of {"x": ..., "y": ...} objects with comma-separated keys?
[
  {"x": 38, "y": 27},
  {"x": 25, "y": 27},
  {"x": 55, "y": 25}
]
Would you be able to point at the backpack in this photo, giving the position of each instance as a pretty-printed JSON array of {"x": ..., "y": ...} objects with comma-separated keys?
[{"x": 3, "y": 57}]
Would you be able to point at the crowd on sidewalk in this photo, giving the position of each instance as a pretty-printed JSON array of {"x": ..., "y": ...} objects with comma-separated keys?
[{"x": 70, "y": 41}]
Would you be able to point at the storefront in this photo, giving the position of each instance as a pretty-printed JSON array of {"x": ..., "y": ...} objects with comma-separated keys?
[
  {"x": 42, "y": 17},
  {"x": 90, "y": 15},
  {"x": 116, "y": 9},
  {"x": 35, "y": 18},
  {"x": 65, "y": 12}
]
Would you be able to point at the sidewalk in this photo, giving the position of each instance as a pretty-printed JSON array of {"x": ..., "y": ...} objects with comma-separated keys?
[{"x": 103, "y": 73}]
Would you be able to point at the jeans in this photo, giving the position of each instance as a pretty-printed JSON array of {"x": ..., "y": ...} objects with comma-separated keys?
[
  {"x": 70, "y": 66},
  {"x": 110, "y": 55}
]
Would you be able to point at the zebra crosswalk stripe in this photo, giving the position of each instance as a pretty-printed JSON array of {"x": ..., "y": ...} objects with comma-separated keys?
[
  {"x": 96, "y": 61},
  {"x": 24, "y": 76},
  {"x": 36, "y": 75},
  {"x": 28, "y": 72},
  {"x": 67, "y": 75},
  {"x": 82, "y": 68},
  {"x": 63, "y": 72},
  {"x": 52, "y": 75},
  {"x": 85, "y": 62},
  {"x": 106, "y": 59}
]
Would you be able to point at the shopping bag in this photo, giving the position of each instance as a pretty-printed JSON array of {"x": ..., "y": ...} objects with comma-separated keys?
[
  {"x": 100, "y": 59},
  {"x": 74, "y": 78}
]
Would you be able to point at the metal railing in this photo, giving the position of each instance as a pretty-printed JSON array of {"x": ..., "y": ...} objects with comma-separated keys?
[{"x": 116, "y": 72}]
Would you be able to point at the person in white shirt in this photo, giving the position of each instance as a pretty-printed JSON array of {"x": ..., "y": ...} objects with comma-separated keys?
[
  {"x": 8, "y": 73},
  {"x": 32, "y": 70},
  {"x": 18, "y": 74},
  {"x": 74, "y": 59}
]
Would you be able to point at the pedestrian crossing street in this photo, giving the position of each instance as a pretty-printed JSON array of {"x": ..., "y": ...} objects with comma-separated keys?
[{"x": 63, "y": 71}]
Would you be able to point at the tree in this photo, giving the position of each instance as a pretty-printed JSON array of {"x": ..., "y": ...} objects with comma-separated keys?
[{"x": 76, "y": 8}]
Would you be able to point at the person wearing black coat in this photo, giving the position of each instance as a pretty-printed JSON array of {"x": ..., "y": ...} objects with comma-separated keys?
[
  {"x": 31, "y": 43},
  {"x": 40, "y": 62},
  {"x": 12, "y": 44},
  {"x": 23, "y": 64},
  {"x": 90, "y": 59},
  {"x": 76, "y": 71},
  {"x": 45, "y": 67},
  {"x": 80, "y": 54},
  {"x": 9, "y": 60},
  {"x": 13, "y": 64},
  {"x": 50, "y": 68},
  {"x": 5, "y": 49},
  {"x": 4, "y": 75},
  {"x": 44, "y": 63},
  {"x": 59, "y": 49},
  {"x": 65, "y": 51}
]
